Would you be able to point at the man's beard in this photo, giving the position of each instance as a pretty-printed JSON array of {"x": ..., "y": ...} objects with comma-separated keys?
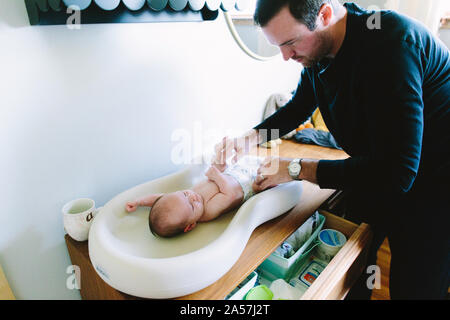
[{"x": 322, "y": 50}]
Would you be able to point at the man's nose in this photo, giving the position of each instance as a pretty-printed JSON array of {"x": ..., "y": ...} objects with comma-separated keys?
[{"x": 287, "y": 53}]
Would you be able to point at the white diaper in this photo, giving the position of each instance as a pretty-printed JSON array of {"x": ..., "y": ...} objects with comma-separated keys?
[{"x": 245, "y": 172}]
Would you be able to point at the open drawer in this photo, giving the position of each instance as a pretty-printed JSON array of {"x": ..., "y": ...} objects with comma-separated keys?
[
  {"x": 344, "y": 269},
  {"x": 339, "y": 275}
]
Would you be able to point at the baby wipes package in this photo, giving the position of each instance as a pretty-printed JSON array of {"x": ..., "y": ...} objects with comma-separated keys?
[{"x": 309, "y": 274}]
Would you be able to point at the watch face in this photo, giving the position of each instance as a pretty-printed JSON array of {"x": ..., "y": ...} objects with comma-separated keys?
[{"x": 294, "y": 168}]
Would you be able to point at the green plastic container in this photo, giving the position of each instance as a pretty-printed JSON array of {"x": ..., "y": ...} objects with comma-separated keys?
[
  {"x": 261, "y": 292},
  {"x": 277, "y": 267}
]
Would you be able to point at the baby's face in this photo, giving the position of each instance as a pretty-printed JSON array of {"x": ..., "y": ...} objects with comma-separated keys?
[{"x": 187, "y": 203}]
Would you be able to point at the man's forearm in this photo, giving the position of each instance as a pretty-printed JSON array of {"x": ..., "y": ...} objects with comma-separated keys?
[{"x": 309, "y": 170}]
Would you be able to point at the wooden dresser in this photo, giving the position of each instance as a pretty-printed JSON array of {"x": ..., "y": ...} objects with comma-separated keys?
[{"x": 333, "y": 283}]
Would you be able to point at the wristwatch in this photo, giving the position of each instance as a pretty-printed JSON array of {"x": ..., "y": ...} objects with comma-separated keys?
[{"x": 294, "y": 168}]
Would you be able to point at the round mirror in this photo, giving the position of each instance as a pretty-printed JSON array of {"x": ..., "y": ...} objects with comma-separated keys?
[{"x": 249, "y": 36}]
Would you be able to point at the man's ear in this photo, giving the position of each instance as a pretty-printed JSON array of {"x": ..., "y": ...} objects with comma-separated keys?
[
  {"x": 325, "y": 14},
  {"x": 190, "y": 227},
  {"x": 149, "y": 200}
]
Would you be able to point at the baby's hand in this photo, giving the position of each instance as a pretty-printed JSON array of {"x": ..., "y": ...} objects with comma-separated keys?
[
  {"x": 220, "y": 167},
  {"x": 220, "y": 160},
  {"x": 131, "y": 206},
  {"x": 212, "y": 172}
]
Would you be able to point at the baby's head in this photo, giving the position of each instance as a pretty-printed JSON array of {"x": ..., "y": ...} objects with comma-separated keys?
[{"x": 175, "y": 212}]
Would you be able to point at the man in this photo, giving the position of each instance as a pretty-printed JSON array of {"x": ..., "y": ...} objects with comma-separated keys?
[{"x": 384, "y": 93}]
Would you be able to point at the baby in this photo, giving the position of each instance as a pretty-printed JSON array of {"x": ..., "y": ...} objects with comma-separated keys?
[{"x": 177, "y": 212}]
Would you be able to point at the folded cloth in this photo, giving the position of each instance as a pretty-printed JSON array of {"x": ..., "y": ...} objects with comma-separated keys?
[{"x": 317, "y": 137}]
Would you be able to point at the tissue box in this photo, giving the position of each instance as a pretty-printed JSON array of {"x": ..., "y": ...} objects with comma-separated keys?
[{"x": 277, "y": 267}]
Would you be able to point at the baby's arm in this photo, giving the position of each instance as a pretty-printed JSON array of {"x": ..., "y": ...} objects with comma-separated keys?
[
  {"x": 216, "y": 206},
  {"x": 216, "y": 176},
  {"x": 222, "y": 201},
  {"x": 146, "y": 201}
]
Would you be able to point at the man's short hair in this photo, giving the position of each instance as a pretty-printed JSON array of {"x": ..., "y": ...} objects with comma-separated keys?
[{"x": 304, "y": 11}]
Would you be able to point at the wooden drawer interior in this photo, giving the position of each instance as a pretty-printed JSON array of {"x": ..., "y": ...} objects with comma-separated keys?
[{"x": 344, "y": 269}]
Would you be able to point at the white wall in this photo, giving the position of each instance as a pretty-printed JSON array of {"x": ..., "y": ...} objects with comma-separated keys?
[
  {"x": 444, "y": 35},
  {"x": 429, "y": 12},
  {"x": 90, "y": 113}
]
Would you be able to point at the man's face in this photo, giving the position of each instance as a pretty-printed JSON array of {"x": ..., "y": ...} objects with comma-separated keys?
[{"x": 296, "y": 41}]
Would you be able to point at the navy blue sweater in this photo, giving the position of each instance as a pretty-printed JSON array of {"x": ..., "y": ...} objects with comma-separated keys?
[{"x": 385, "y": 97}]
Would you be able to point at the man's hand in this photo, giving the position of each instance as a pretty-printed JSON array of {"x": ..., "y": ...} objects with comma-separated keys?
[
  {"x": 272, "y": 172},
  {"x": 235, "y": 147}
]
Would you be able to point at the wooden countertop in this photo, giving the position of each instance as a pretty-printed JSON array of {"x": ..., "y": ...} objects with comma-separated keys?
[
  {"x": 263, "y": 241},
  {"x": 5, "y": 290}
]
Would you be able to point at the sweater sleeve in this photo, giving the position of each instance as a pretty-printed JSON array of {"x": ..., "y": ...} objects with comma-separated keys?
[
  {"x": 393, "y": 110},
  {"x": 294, "y": 113}
]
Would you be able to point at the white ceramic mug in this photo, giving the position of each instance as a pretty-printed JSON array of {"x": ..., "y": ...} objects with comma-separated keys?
[{"x": 78, "y": 216}]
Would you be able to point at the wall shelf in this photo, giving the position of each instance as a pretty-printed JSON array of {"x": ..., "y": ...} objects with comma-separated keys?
[{"x": 58, "y": 12}]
